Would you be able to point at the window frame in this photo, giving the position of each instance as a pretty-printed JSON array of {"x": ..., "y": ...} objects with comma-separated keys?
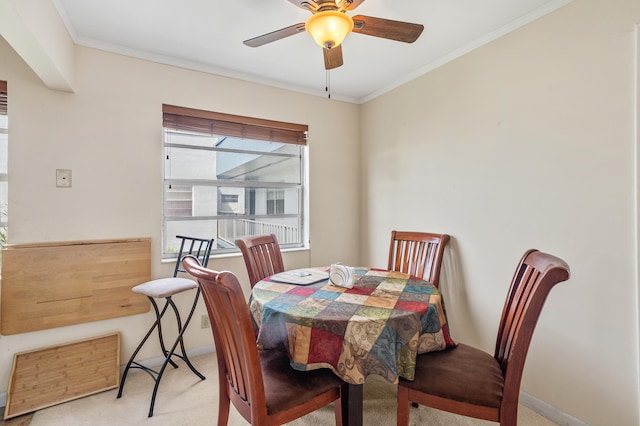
[
  {"x": 4, "y": 177},
  {"x": 207, "y": 123}
]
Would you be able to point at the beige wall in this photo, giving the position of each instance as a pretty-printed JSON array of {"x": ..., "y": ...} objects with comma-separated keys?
[
  {"x": 527, "y": 142},
  {"x": 109, "y": 133}
]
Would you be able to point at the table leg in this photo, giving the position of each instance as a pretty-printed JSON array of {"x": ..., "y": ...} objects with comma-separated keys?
[{"x": 352, "y": 406}]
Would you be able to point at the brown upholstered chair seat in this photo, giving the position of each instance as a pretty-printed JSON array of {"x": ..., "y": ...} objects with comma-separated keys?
[
  {"x": 286, "y": 388},
  {"x": 463, "y": 373}
]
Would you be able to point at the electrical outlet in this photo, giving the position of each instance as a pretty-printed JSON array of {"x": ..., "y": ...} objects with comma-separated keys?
[{"x": 204, "y": 321}]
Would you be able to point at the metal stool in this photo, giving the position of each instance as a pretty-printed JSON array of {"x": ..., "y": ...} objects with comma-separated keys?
[{"x": 165, "y": 288}]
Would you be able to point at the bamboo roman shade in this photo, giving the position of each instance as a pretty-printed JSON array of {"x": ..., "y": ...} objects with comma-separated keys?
[
  {"x": 214, "y": 123},
  {"x": 3, "y": 97}
]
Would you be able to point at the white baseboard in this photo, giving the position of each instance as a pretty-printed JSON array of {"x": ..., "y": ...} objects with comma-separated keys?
[
  {"x": 549, "y": 411},
  {"x": 151, "y": 362}
]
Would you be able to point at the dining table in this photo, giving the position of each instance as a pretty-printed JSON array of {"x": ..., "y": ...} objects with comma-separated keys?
[{"x": 377, "y": 325}]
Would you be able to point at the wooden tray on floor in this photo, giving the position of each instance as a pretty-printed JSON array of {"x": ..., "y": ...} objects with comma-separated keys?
[{"x": 56, "y": 374}]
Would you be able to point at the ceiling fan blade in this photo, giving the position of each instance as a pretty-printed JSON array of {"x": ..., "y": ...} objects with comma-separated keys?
[
  {"x": 332, "y": 57},
  {"x": 275, "y": 35},
  {"x": 386, "y": 28}
]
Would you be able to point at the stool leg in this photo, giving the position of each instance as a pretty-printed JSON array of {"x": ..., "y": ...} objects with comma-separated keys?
[
  {"x": 131, "y": 363},
  {"x": 182, "y": 328},
  {"x": 160, "y": 333},
  {"x": 169, "y": 354}
]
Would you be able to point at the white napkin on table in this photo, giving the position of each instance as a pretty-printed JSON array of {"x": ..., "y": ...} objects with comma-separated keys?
[{"x": 341, "y": 275}]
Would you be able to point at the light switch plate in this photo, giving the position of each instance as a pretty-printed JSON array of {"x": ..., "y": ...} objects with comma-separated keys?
[{"x": 63, "y": 178}]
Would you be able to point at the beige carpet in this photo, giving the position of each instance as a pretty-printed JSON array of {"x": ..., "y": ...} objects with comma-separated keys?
[{"x": 183, "y": 399}]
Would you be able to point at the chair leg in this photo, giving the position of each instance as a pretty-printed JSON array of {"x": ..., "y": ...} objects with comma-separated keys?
[
  {"x": 403, "y": 407},
  {"x": 509, "y": 416},
  {"x": 223, "y": 408},
  {"x": 338, "y": 406}
]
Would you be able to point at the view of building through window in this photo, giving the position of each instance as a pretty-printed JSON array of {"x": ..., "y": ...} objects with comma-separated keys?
[{"x": 227, "y": 187}]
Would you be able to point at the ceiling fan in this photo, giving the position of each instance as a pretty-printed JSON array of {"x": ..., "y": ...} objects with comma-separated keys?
[{"x": 329, "y": 25}]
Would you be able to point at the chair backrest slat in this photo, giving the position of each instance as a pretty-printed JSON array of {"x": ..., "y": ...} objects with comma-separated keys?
[
  {"x": 262, "y": 256},
  {"x": 417, "y": 253}
]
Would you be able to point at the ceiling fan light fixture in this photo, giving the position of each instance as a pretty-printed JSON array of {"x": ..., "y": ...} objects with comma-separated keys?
[{"x": 329, "y": 28}]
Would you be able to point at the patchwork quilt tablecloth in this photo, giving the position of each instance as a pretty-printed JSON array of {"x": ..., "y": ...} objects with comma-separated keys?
[{"x": 376, "y": 327}]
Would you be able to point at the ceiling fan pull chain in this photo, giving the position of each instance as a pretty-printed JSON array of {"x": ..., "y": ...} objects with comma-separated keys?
[{"x": 327, "y": 86}]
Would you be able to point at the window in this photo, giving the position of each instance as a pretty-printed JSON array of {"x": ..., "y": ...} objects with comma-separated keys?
[
  {"x": 226, "y": 177},
  {"x": 4, "y": 154},
  {"x": 178, "y": 201},
  {"x": 275, "y": 201},
  {"x": 229, "y": 203}
]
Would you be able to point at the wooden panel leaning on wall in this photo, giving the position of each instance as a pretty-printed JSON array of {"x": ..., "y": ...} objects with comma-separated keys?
[
  {"x": 55, "y": 284},
  {"x": 48, "y": 376}
]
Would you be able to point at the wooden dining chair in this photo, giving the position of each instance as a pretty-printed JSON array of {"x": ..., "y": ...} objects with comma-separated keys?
[
  {"x": 261, "y": 384},
  {"x": 262, "y": 256},
  {"x": 418, "y": 254},
  {"x": 468, "y": 381}
]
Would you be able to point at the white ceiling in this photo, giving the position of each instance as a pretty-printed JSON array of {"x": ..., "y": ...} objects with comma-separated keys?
[{"x": 207, "y": 35}]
